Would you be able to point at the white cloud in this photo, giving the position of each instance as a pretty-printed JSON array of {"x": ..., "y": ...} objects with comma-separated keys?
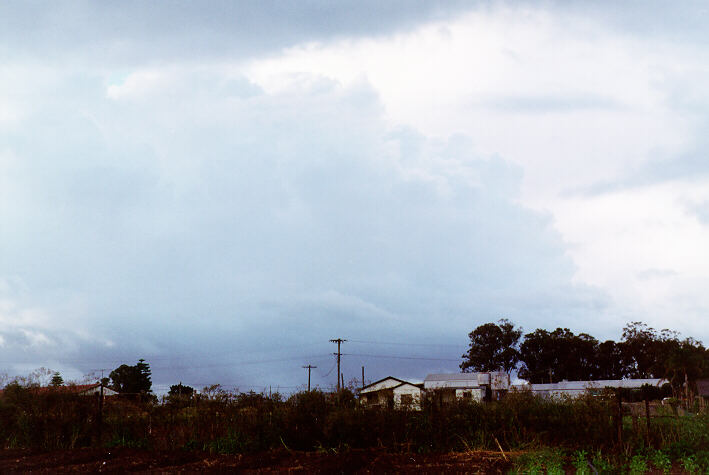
[{"x": 575, "y": 104}]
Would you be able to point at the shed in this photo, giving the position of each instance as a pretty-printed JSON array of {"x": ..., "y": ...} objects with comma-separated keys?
[
  {"x": 579, "y": 388},
  {"x": 474, "y": 386}
]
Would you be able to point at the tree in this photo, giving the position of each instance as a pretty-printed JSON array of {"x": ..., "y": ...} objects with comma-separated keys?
[
  {"x": 611, "y": 363},
  {"x": 539, "y": 357},
  {"x": 132, "y": 379},
  {"x": 646, "y": 351},
  {"x": 558, "y": 355},
  {"x": 180, "y": 390},
  {"x": 57, "y": 380},
  {"x": 686, "y": 362},
  {"x": 493, "y": 347}
]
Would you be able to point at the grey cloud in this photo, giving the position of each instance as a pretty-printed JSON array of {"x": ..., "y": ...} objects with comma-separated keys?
[
  {"x": 162, "y": 31},
  {"x": 210, "y": 235}
]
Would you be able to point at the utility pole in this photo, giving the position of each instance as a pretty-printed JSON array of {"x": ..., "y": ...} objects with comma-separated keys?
[
  {"x": 339, "y": 341},
  {"x": 309, "y": 368},
  {"x": 362, "y": 377},
  {"x": 99, "y": 419}
]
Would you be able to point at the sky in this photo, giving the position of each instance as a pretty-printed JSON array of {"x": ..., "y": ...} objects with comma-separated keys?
[{"x": 223, "y": 187}]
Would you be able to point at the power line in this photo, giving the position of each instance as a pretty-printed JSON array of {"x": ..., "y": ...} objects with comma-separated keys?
[
  {"x": 330, "y": 370},
  {"x": 407, "y": 344},
  {"x": 401, "y": 357}
]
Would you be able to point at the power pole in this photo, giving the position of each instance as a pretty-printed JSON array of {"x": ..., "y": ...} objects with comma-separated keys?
[
  {"x": 309, "y": 368},
  {"x": 362, "y": 377},
  {"x": 339, "y": 341}
]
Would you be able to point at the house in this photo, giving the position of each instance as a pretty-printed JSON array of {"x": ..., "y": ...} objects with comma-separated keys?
[
  {"x": 92, "y": 389},
  {"x": 392, "y": 392},
  {"x": 579, "y": 388},
  {"x": 78, "y": 389},
  {"x": 468, "y": 386}
]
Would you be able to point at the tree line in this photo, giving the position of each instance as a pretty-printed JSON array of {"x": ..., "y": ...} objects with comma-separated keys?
[{"x": 544, "y": 356}]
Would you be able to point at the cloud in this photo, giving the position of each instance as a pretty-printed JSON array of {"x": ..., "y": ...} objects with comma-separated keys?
[
  {"x": 224, "y": 188},
  {"x": 186, "y": 217},
  {"x": 135, "y": 33}
]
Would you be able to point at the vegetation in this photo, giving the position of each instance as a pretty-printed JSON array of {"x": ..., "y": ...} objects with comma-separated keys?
[
  {"x": 590, "y": 434},
  {"x": 580, "y": 431},
  {"x": 544, "y": 356},
  {"x": 132, "y": 379},
  {"x": 57, "y": 380},
  {"x": 493, "y": 346}
]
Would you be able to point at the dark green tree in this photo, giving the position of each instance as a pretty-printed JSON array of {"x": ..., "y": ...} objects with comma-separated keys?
[
  {"x": 132, "y": 379},
  {"x": 645, "y": 350},
  {"x": 57, "y": 380},
  {"x": 611, "y": 362},
  {"x": 558, "y": 355},
  {"x": 581, "y": 352},
  {"x": 493, "y": 347},
  {"x": 180, "y": 390},
  {"x": 539, "y": 354},
  {"x": 686, "y": 362}
]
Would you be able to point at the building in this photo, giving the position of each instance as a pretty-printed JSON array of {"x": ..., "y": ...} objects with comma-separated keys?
[
  {"x": 579, "y": 388},
  {"x": 78, "y": 389},
  {"x": 92, "y": 389},
  {"x": 472, "y": 386},
  {"x": 392, "y": 392}
]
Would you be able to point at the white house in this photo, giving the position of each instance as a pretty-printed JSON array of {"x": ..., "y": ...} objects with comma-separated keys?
[{"x": 392, "y": 392}]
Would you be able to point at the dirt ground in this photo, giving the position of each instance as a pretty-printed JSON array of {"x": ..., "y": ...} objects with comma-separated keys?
[{"x": 281, "y": 461}]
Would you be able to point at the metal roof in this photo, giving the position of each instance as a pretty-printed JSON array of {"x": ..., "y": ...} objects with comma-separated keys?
[
  {"x": 453, "y": 377},
  {"x": 600, "y": 384}
]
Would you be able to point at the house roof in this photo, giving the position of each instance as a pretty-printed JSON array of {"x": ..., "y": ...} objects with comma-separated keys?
[
  {"x": 382, "y": 380},
  {"x": 400, "y": 381},
  {"x": 584, "y": 385},
  {"x": 71, "y": 389},
  {"x": 453, "y": 377}
]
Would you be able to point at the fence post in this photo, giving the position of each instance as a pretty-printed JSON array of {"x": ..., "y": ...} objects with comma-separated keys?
[
  {"x": 100, "y": 415},
  {"x": 619, "y": 417},
  {"x": 647, "y": 420}
]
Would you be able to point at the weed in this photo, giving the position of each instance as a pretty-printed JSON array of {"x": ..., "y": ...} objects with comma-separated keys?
[
  {"x": 601, "y": 464},
  {"x": 689, "y": 464},
  {"x": 548, "y": 461},
  {"x": 580, "y": 463},
  {"x": 661, "y": 461},
  {"x": 638, "y": 465}
]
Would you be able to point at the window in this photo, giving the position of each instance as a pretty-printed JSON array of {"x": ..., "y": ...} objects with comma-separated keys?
[{"x": 407, "y": 399}]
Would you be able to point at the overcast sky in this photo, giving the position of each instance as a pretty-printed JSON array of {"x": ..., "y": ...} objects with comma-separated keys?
[{"x": 222, "y": 187}]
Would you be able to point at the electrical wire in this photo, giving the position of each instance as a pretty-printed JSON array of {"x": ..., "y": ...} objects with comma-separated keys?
[
  {"x": 406, "y": 344},
  {"x": 401, "y": 357}
]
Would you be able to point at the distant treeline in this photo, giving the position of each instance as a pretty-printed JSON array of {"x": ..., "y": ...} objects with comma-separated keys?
[{"x": 545, "y": 356}]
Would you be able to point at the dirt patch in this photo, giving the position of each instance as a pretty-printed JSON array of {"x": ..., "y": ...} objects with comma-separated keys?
[{"x": 278, "y": 461}]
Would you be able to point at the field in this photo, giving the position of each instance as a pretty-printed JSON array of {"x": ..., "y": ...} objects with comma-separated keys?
[
  {"x": 330, "y": 432},
  {"x": 351, "y": 461}
]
